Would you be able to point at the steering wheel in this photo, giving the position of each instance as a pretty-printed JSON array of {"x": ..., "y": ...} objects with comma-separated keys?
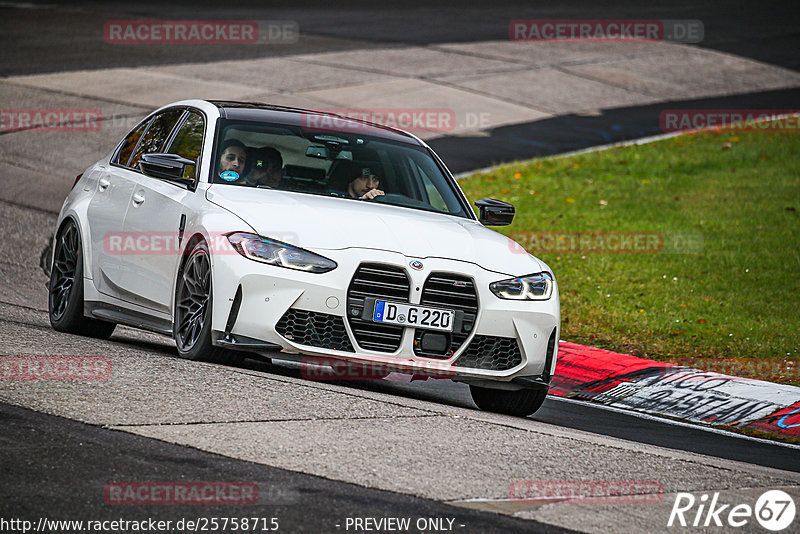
[
  {"x": 401, "y": 200},
  {"x": 391, "y": 198}
]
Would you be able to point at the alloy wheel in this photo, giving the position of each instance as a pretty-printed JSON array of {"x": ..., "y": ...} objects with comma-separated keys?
[
  {"x": 65, "y": 265},
  {"x": 192, "y": 303}
]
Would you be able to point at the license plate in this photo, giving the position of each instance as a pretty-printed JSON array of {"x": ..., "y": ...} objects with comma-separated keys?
[{"x": 410, "y": 315}]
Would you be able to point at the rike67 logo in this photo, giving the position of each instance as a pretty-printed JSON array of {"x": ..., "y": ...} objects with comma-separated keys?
[{"x": 774, "y": 510}]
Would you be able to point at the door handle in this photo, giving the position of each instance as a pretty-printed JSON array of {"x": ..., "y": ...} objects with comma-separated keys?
[
  {"x": 103, "y": 183},
  {"x": 138, "y": 198}
]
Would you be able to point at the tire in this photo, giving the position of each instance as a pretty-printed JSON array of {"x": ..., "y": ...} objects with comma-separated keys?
[
  {"x": 193, "y": 305},
  {"x": 521, "y": 402},
  {"x": 65, "y": 291}
]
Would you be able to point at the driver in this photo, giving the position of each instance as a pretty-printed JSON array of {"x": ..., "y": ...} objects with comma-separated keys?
[
  {"x": 232, "y": 162},
  {"x": 365, "y": 185}
]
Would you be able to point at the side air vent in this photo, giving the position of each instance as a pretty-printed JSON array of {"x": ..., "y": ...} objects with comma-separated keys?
[{"x": 551, "y": 351}]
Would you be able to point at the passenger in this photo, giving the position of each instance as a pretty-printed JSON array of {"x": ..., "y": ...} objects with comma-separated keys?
[
  {"x": 365, "y": 186},
  {"x": 232, "y": 162},
  {"x": 267, "y": 168}
]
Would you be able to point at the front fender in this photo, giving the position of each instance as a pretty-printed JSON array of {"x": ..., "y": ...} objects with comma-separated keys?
[{"x": 210, "y": 224}]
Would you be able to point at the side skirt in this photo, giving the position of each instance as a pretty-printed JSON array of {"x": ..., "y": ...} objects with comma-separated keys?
[{"x": 119, "y": 315}]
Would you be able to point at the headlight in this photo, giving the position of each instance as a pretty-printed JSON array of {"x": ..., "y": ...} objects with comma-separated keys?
[
  {"x": 531, "y": 287},
  {"x": 274, "y": 252}
]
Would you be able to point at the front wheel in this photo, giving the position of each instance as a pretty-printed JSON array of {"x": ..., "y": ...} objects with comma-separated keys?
[
  {"x": 521, "y": 402},
  {"x": 65, "y": 292},
  {"x": 193, "y": 298}
]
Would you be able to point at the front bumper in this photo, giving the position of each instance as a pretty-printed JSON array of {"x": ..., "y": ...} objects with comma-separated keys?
[{"x": 323, "y": 315}]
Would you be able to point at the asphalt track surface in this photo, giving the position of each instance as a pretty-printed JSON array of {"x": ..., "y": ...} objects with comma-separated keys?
[
  {"x": 767, "y": 31},
  {"x": 51, "y": 466},
  {"x": 763, "y": 31},
  {"x": 586, "y": 417},
  {"x": 67, "y": 464}
]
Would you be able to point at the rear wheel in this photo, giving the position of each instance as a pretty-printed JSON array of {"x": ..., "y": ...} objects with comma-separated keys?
[
  {"x": 192, "y": 327},
  {"x": 521, "y": 402},
  {"x": 65, "y": 292}
]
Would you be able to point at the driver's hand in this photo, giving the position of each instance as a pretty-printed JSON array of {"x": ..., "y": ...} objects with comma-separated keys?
[{"x": 372, "y": 193}]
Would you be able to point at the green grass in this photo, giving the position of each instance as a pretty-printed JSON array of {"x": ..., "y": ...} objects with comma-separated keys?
[{"x": 733, "y": 296}]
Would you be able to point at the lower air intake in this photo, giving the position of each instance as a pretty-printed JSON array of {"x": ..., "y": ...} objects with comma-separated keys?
[
  {"x": 491, "y": 353},
  {"x": 314, "y": 329}
]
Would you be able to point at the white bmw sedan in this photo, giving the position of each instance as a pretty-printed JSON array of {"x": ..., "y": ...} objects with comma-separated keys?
[{"x": 246, "y": 228}]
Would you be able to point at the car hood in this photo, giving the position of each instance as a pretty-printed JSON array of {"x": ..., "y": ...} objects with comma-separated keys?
[{"x": 327, "y": 223}]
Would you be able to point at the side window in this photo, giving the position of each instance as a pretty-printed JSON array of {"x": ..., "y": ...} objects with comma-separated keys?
[
  {"x": 155, "y": 136},
  {"x": 125, "y": 152},
  {"x": 188, "y": 142}
]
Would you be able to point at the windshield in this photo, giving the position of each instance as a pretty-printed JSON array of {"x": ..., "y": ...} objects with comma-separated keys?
[{"x": 347, "y": 165}]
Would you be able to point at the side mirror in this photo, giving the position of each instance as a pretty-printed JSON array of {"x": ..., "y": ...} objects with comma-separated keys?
[
  {"x": 166, "y": 167},
  {"x": 495, "y": 212}
]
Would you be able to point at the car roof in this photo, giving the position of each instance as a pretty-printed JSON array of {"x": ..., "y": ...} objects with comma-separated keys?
[{"x": 256, "y": 111}]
